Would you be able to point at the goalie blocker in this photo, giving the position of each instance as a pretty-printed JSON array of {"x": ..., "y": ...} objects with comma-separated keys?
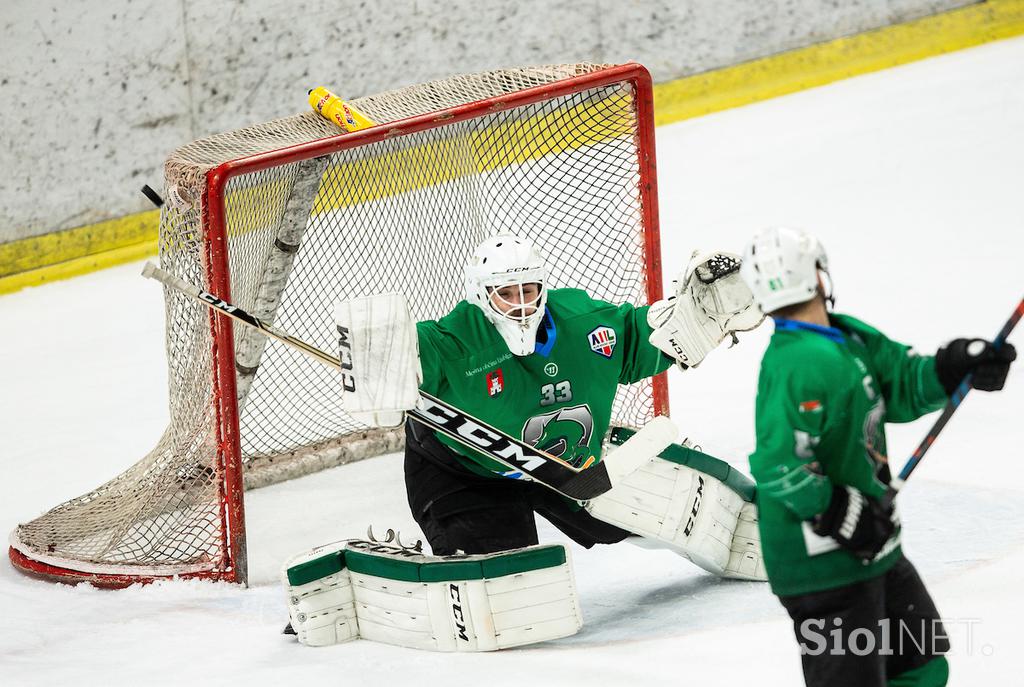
[
  {"x": 380, "y": 370},
  {"x": 393, "y": 594}
]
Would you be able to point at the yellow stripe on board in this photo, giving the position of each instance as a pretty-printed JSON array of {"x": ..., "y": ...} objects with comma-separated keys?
[
  {"x": 60, "y": 255},
  {"x": 63, "y": 254},
  {"x": 842, "y": 58},
  {"x": 77, "y": 266}
]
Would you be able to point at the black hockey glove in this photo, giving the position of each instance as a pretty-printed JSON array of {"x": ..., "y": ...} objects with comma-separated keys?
[
  {"x": 860, "y": 523},
  {"x": 960, "y": 356}
]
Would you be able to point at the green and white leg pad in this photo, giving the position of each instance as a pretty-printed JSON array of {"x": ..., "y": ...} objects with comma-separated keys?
[
  {"x": 399, "y": 596},
  {"x": 693, "y": 504}
]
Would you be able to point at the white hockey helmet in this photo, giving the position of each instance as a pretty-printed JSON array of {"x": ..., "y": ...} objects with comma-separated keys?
[
  {"x": 502, "y": 261},
  {"x": 780, "y": 266}
]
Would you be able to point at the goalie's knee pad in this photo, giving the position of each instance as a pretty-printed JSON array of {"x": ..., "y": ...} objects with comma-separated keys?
[
  {"x": 693, "y": 504},
  {"x": 445, "y": 603}
]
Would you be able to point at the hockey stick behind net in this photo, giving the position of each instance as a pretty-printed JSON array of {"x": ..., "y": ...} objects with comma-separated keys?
[{"x": 521, "y": 459}]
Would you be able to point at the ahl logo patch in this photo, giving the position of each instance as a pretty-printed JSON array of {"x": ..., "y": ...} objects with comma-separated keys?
[
  {"x": 495, "y": 383},
  {"x": 602, "y": 341}
]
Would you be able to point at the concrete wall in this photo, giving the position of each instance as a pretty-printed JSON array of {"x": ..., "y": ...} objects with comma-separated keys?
[{"x": 95, "y": 93}]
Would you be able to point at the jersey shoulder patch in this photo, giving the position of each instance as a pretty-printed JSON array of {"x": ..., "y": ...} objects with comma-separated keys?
[{"x": 602, "y": 340}]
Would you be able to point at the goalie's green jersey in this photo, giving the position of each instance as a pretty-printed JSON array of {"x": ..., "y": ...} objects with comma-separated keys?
[
  {"x": 558, "y": 398},
  {"x": 823, "y": 398}
]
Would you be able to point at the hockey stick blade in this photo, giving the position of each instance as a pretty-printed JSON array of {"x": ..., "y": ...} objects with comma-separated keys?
[
  {"x": 638, "y": 449},
  {"x": 520, "y": 458},
  {"x": 954, "y": 402}
]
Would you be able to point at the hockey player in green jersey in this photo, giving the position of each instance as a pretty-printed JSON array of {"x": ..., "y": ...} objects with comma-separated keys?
[
  {"x": 828, "y": 384},
  {"x": 544, "y": 365}
]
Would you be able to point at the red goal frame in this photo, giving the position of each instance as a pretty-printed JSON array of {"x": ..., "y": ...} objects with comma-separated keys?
[{"x": 232, "y": 566}]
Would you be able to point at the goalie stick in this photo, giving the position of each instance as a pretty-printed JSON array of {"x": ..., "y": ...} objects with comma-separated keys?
[
  {"x": 954, "y": 402},
  {"x": 522, "y": 460}
]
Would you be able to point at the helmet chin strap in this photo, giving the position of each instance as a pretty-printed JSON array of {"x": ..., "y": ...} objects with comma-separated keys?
[{"x": 827, "y": 293}]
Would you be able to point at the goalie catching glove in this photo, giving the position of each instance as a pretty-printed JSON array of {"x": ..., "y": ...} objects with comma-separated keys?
[{"x": 710, "y": 303}]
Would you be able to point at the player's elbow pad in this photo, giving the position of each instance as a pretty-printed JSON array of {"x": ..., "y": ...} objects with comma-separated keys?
[{"x": 804, "y": 492}]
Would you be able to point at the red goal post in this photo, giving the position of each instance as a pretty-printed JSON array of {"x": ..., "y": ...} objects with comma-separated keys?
[{"x": 286, "y": 217}]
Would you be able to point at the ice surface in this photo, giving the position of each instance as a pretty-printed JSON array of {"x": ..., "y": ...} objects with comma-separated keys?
[{"x": 911, "y": 177}]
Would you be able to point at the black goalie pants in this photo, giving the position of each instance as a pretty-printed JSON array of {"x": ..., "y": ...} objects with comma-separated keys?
[
  {"x": 461, "y": 511},
  {"x": 882, "y": 631}
]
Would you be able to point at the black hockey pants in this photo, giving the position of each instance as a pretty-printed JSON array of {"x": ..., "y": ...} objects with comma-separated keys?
[
  {"x": 461, "y": 511},
  {"x": 883, "y": 631}
]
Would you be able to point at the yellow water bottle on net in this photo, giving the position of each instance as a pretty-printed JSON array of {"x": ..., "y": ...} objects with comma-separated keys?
[{"x": 333, "y": 108}]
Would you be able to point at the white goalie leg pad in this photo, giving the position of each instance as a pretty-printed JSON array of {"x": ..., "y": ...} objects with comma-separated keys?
[
  {"x": 397, "y": 595},
  {"x": 321, "y": 604},
  {"x": 745, "y": 561},
  {"x": 379, "y": 359},
  {"x": 690, "y": 512},
  {"x": 464, "y": 603},
  {"x": 711, "y": 302}
]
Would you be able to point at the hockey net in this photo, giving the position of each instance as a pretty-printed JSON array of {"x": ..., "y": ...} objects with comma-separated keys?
[{"x": 287, "y": 217}]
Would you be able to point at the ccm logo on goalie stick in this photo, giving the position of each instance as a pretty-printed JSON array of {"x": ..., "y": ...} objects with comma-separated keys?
[
  {"x": 489, "y": 441},
  {"x": 348, "y": 382},
  {"x": 455, "y": 600},
  {"x": 216, "y": 302},
  {"x": 696, "y": 506}
]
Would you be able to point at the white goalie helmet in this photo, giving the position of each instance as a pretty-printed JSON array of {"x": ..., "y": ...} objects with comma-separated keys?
[
  {"x": 780, "y": 266},
  {"x": 508, "y": 261}
]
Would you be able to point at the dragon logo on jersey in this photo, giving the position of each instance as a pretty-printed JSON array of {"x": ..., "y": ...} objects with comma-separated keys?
[
  {"x": 495, "y": 382},
  {"x": 564, "y": 433},
  {"x": 602, "y": 341}
]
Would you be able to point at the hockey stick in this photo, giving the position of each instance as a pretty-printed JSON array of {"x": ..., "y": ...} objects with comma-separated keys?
[
  {"x": 954, "y": 402},
  {"x": 522, "y": 460}
]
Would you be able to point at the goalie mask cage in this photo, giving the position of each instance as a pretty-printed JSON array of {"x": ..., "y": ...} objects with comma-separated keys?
[{"x": 287, "y": 217}]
